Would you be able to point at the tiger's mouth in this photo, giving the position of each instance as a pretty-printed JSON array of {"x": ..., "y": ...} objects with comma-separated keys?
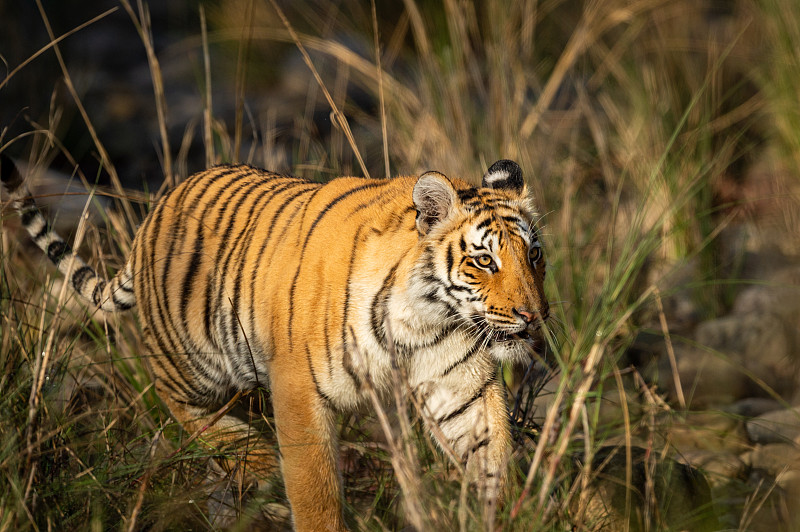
[
  {"x": 528, "y": 335},
  {"x": 520, "y": 336}
]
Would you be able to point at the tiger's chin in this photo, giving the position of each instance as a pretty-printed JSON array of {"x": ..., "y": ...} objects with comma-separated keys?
[{"x": 519, "y": 347}]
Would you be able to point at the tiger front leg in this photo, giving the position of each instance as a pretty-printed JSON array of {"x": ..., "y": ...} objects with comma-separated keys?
[
  {"x": 475, "y": 427},
  {"x": 308, "y": 446}
]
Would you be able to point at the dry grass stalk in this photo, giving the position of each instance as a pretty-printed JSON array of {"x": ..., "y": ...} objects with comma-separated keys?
[
  {"x": 401, "y": 451},
  {"x": 340, "y": 118},
  {"x": 105, "y": 159},
  {"x": 144, "y": 28}
]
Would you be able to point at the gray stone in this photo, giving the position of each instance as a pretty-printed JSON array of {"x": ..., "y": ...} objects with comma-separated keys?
[
  {"x": 753, "y": 406},
  {"x": 773, "y": 458},
  {"x": 756, "y": 346},
  {"x": 706, "y": 377},
  {"x": 719, "y": 466},
  {"x": 775, "y": 427}
]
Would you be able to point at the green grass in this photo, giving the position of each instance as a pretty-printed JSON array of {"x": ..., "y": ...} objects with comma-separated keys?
[{"x": 627, "y": 117}]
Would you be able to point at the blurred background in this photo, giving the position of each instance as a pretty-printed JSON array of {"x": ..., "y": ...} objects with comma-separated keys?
[{"x": 660, "y": 140}]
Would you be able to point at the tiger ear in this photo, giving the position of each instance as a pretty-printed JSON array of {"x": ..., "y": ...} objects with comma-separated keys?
[
  {"x": 434, "y": 198},
  {"x": 506, "y": 175}
]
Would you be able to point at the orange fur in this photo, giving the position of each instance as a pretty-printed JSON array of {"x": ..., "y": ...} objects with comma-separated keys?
[{"x": 246, "y": 278}]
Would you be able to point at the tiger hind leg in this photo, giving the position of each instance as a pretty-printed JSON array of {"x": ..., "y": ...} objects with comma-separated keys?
[{"x": 245, "y": 465}]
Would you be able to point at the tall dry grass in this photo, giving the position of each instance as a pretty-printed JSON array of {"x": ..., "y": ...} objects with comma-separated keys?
[{"x": 625, "y": 115}]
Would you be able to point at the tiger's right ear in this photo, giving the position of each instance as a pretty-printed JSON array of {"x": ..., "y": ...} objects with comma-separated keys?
[{"x": 434, "y": 198}]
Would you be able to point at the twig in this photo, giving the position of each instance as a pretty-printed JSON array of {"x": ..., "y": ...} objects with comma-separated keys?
[
  {"x": 207, "y": 115},
  {"x": 673, "y": 364}
]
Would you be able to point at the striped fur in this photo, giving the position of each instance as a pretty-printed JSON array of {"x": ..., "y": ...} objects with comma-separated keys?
[
  {"x": 113, "y": 296},
  {"x": 246, "y": 278}
]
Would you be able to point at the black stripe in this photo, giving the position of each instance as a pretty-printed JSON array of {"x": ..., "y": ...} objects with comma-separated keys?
[
  {"x": 199, "y": 182},
  {"x": 469, "y": 354},
  {"x": 97, "y": 292},
  {"x": 346, "y": 298},
  {"x": 483, "y": 443},
  {"x": 198, "y": 363},
  {"x": 190, "y": 277},
  {"x": 42, "y": 232},
  {"x": 484, "y": 224},
  {"x": 463, "y": 408},
  {"x": 57, "y": 250},
  {"x": 512, "y": 220},
  {"x": 241, "y": 250},
  {"x": 226, "y": 250},
  {"x": 178, "y": 386},
  {"x": 174, "y": 235},
  {"x": 121, "y": 305},
  {"x": 396, "y": 221},
  {"x": 123, "y": 287},
  {"x": 9, "y": 174},
  {"x": 450, "y": 259},
  {"x": 467, "y": 194},
  {"x": 155, "y": 304},
  {"x": 268, "y": 237},
  {"x": 372, "y": 201},
  {"x": 28, "y": 211},
  {"x": 80, "y": 276},
  {"x": 325, "y": 397},
  {"x": 438, "y": 338},
  {"x": 379, "y": 309},
  {"x": 309, "y": 234}
]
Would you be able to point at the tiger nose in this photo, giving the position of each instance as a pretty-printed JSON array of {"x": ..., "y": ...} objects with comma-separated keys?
[{"x": 526, "y": 315}]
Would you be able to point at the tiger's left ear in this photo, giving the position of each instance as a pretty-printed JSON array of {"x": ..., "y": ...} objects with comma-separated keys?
[
  {"x": 434, "y": 198},
  {"x": 505, "y": 175}
]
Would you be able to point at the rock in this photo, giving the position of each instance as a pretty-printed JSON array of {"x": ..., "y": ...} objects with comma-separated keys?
[
  {"x": 679, "y": 495},
  {"x": 706, "y": 377},
  {"x": 719, "y": 466},
  {"x": 773, "y": 458},
  {"x": 775, "y": 427},
  {"x": 781, "y": 296},
  {"x": 774, "y": 483},
  {"x": 789, "y": 481},
  {"x": 611, "y": 413},
  {"x": 738, "y": 354},
  {"x": 709, "y": 431},
  {"x": 753, "y": 406}
]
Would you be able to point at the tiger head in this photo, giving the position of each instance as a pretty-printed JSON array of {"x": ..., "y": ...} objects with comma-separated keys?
[{"x": 483, "y": 256}]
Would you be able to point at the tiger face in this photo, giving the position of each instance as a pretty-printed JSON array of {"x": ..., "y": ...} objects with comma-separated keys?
[{"x": 490, "y": 258}]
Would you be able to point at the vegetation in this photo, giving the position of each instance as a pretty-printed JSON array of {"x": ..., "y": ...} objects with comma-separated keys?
[{"x": 635, "y": 122}]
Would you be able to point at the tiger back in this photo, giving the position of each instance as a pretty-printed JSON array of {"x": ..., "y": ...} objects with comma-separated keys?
[{"x": 319, "y": 292}]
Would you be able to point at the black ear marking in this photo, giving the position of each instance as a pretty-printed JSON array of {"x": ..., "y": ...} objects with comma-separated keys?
[
  {"x": 434, "y": 199},
  {"x": 504, "y": 174}
]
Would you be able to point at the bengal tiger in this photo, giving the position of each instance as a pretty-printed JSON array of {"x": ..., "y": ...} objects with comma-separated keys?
[{"x": 246, "y": 278}]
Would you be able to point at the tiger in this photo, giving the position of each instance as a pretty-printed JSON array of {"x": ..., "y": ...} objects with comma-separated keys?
[{"x": 318, "y": 293}]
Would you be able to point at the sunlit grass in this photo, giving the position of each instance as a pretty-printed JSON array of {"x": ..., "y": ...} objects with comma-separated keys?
[{"x": 625, "y": 117}]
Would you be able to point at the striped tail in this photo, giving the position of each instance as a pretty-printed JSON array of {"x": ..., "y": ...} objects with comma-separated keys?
[{"x": 115, "y": 295}]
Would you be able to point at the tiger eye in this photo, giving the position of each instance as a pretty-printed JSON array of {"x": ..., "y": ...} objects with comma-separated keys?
[
  {"x": 484, "y": 261},
  {"x": 535, "y": 254}
]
